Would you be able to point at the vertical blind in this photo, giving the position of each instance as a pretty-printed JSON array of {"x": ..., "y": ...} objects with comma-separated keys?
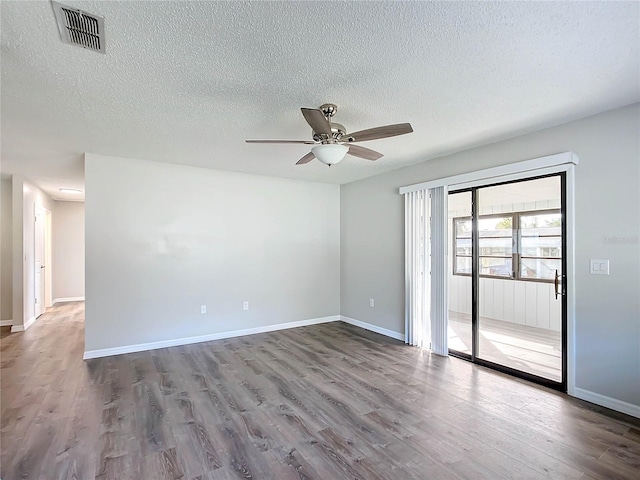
[
  {"x": 416, "y": 330},
  {"x": 426, "y": 309},
  {"x": 439, "y": 291}
]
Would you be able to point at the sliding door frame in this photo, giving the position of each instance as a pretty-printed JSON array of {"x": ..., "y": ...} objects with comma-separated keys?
[
  {"x": 475, "y": 285},
  {"x": 552, "y": 164},
  {"x": 475, "y": 277}
]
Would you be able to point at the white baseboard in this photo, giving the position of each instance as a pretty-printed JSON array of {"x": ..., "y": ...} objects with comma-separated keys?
[
  {"x": 604, "y": 401},
  {"x": 68, "y": 299},
  {"x": 141, "y": 347},
  {"x": 29, "y": 322},
  {"x": 373, "y": 328},
  {"x": 6, "y": 323},
  {"x": 22, "y": 328}
]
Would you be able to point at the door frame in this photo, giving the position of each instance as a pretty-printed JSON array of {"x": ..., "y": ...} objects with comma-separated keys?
[
  {"x": 560, "y": 162},
  {"x": 48, "y": 257},
  {"x": 475, "y": 285},
  {"x": 39, "y": 280},
  {"x": 47, "y": 300}
]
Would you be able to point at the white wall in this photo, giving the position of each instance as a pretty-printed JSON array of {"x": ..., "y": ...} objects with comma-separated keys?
[
  {"x": 6, "y": 261},
  {"x": 68, "y": 250},
  {"x": 607, "y": 226},
  {"x": 162, "y": 239}
]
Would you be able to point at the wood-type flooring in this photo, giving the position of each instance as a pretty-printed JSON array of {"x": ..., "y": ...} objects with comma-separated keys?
[{"x": 327, "y": 402}]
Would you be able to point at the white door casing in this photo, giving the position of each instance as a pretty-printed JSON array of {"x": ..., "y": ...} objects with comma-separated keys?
[{"x": 39, "y": 255}]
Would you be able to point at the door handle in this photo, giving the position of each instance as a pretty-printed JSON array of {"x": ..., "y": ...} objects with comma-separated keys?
[
  {"x": 556, "y": 284},
  {"x": 41, "y": 266}
]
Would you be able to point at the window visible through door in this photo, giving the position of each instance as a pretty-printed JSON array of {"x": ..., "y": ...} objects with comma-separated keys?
[{"x": 519, "y": 246}]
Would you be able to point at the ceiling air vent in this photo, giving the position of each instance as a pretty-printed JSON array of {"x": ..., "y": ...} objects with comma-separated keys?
[{"x": 80, "y": 28}]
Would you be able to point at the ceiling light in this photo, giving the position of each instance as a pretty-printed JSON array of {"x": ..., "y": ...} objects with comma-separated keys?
[
  {"x": 74, "y": 191},
  {"x": 330, "y": 153}
]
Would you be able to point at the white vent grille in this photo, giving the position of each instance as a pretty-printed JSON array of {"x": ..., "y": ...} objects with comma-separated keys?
[{"x": 80, "y": 28}]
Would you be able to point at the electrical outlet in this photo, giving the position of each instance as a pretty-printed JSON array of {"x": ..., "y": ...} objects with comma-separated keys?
[
  {"x": 371, "y": 303},
  {"x": 203, "y": 309},
  {"x": 245, "y": 305}
]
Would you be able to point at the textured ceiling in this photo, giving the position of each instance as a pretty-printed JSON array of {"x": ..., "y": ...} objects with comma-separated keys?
[{"x": 187, "y": 82}]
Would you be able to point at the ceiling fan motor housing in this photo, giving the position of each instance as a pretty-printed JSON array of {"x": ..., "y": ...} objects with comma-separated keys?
[
  {"x": 329, "y": 110},
  {"x": 337, "y": 131}
]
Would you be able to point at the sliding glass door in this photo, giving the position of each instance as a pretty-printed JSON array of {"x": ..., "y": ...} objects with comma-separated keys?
[
  {"x": 506, "y": 286},
  {"x": 460, "y": 302}
]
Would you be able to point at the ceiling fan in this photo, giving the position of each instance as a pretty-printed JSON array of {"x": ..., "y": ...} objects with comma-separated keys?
[{"x": 331, "y": 140}]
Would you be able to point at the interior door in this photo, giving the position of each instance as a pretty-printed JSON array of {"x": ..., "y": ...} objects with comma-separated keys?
[
  {"x": 508, "y": 264},
  {"x": 39, "y": 261}
]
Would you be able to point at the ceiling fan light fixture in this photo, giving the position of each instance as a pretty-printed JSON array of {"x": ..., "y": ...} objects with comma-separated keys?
[
  {"x": 330, "y": 138},
  {"x": 330, "y": 153}
]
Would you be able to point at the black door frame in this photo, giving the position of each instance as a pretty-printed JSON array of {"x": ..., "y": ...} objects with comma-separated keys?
[{"x": 475, "y": 287}]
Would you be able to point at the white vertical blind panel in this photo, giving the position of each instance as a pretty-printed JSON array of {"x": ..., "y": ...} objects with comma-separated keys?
[
  {"x": 416, "y": 285},
  {"x": 439, "y": 297},
  {"x": 426, "y": 270}
]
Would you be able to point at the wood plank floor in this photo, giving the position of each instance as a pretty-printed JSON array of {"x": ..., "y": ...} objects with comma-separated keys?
[{"x": 323, "y": 402}]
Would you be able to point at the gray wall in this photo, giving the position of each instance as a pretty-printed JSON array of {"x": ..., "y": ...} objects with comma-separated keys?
[
  {"x": 68, "y": 250},
  {"x": 6, "y": 261},
  {"x": 607, "y": 205},
  {"x": 162, "y": 239}
]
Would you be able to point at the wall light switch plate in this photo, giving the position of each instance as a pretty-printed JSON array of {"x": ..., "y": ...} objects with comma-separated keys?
[
  {"x": 371, "y": 303},
  {"x": 203, "y": 309},
  {"x": 599, "y": 267},
  {"x": 245, "y": 305}
]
